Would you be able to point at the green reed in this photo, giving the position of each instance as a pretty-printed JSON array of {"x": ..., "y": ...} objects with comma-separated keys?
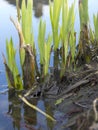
[
  {"x": 47, "y": 47},
  {"x": 41, "y": 40},
  {"x": 63, "y": 39},
  {"x": 67, "y": 30},
  {"x": 26, "y": 25},
  {"x": 12, "y": 66},
  {"x": 84, "y": 43},
  {"x": 95, "y": 19},
  {"x": 26, "y": 48},
  {"x": 83, "y": 12},
  {"x": 44, "y": 47},
  {"x": 26, "y": 17},
  {"x": 55, "y": 10}
]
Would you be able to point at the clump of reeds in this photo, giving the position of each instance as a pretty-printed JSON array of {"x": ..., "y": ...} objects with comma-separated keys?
[
  {"x": 12, "y": 73},
  {"x": 62, "y": 41},
  {"x": 26, "y": 47}
]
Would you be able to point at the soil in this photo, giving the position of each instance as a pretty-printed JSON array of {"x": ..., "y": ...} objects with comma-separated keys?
[
  {"x": 78, "y": 98},
  {"x": 75, "y": 95}
]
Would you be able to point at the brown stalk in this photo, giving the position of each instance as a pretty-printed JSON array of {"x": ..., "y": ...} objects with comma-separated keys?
[
  {"x": 28, "y": 67},
  {"x": 9, "y": 72},
  {"x": 18, "y": 27}
]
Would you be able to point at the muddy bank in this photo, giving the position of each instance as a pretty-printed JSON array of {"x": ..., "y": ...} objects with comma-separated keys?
[
  {"x": 77, "y": 98},
  {"x": 70, "y": 98},
  {"x": 73, "y": 95}
]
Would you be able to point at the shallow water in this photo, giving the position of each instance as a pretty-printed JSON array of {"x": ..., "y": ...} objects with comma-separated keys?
[
  {"x": 21, "y": 117},
  {"x": 16, "y": 115}
]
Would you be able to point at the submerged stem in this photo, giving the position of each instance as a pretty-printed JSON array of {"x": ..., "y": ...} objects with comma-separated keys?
[{"x": 36, "y": 108}]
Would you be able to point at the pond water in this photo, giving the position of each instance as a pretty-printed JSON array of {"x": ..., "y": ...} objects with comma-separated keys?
[{"x": 14, "y": 115}]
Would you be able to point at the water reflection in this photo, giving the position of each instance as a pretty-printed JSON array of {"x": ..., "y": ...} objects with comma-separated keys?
[
  {"x": 14, "y": 109},
  {"x": 46, "y": 2},
  {"x": 38, "y": 6},
  {"x": 30, "y": 114},
  {"x": 24, "y": 117},
  {"x": 38, "y": 10}
]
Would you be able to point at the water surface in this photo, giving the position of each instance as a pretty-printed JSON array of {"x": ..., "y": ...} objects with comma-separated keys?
[{"x": 14, "y": 115}]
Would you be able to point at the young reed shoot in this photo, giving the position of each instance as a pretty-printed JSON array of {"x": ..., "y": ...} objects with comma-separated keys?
[
  {"x": 44, "y": 46},
  {"x": 11, "y": 63},
  {"x": 41, "y": 40},
  {"x": 27, "y": 21},
  {"x": 95, "y": 18},
  {"x": 83, "y": 12},
  {"x": 47, "y": 47},
  {"x": 67, "y": 30},
  {"x": 55, "y": 10}
]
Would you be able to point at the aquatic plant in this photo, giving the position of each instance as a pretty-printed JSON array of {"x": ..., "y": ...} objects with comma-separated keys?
[
  {"x": 47, "y": 47},
  {"x": 26, "y": 16},
  {"x": 63, "y": 38},
  {"x": 44, "y": 47},
  {"x": 95, "y": 19},
  {"x": 26, "y": 48},
  {"x": 41, "y": 40},
  {"x": 55, "y": 10},
  {"x": 83, "y": 12},
  {"x": 26, "y": 25},
  {"x": 12, "y": 73},
  {"x": 18, "y": 10},
  {"x": 67, "y": 30},
  {"x": 83, "y": 46}
]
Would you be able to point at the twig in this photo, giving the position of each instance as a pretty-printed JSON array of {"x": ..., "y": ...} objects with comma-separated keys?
[
  {"x": 80, "y": 105},
  {"x": 95, "y": 109},
  {"x": 91, "y": 75},
  {"x": 75, "y": 86},
  {"x": 36, "y": 108},
  {"x": 87, "y": 71},
  {"x": 18, "y": 27},
  {"x": 30, "y": 91}
]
